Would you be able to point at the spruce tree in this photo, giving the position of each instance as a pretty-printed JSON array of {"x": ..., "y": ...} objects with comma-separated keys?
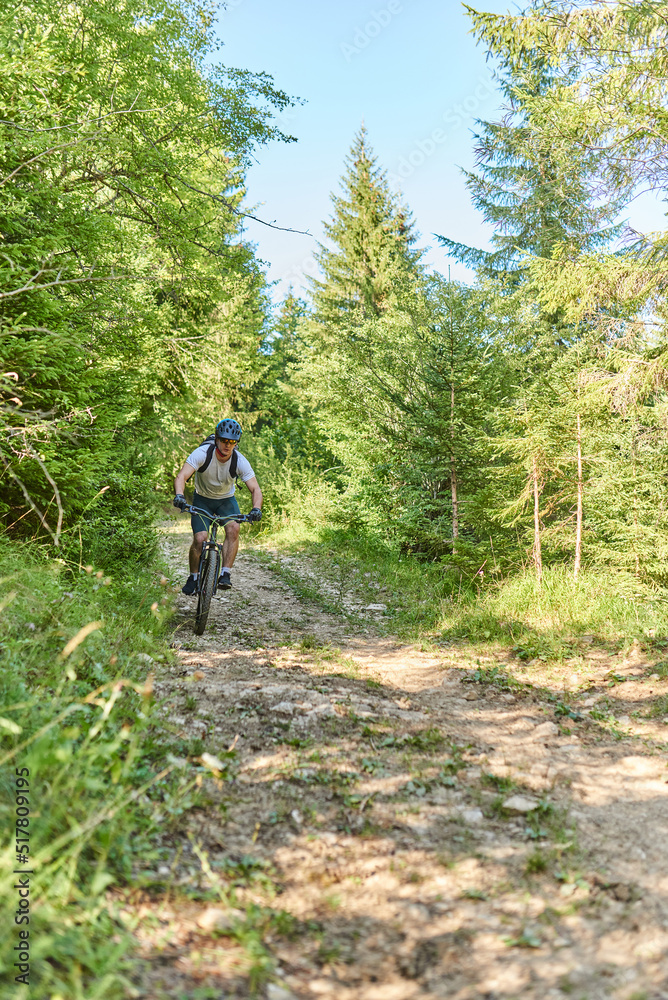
[
  {"x": 399, "y": 372},
  {"x": 371, "y": 237},
  {"x": 279, "y": 403},
  {"x": 540, "y": 201},
  {"x": 535, "y": 198}
]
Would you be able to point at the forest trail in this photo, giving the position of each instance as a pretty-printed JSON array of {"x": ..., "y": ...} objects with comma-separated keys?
[{"x": 367, "y": 803}]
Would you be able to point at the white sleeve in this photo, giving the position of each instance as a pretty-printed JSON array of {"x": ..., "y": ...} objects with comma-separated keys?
[
  {"x": 198, "y": 456},
  {"x": 244, "y": 468}
]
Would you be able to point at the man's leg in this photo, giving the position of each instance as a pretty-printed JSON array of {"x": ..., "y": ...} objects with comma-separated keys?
[
  {"x": 230, "y": 545},
  {"x": 199, "y": 538},
  {"x": 190, "y": 586}
]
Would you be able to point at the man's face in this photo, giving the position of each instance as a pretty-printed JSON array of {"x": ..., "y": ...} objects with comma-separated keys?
[{"x": 224, "y": 449}]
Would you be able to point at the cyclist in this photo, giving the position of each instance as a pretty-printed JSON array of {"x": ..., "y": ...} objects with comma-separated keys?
[{"x": 214, "y": 491}]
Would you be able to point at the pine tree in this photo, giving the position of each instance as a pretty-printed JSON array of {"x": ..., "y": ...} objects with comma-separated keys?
[
  {"x": 458, "y": 382},
  {"x": 281, "y": 410},
  {"x": 540, "y": 200},
  {"x": 371, "y": 236},
  {"x": 535, "y": 197}
]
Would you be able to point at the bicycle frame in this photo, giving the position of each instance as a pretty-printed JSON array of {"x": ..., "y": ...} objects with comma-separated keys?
[{"x": 211, "y": 544}]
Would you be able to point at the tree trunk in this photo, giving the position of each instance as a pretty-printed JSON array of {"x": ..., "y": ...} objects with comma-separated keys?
[
  {"x": 635, "y": 501},
  {"x": 453, "y": 470},
  {"x": 537, "y": 555},
  {"x": 578, "y": 516},
  {"x": 453, "y": 464}
]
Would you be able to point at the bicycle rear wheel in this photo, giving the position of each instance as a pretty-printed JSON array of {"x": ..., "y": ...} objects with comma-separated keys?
[{"x": 209, "y": 579}]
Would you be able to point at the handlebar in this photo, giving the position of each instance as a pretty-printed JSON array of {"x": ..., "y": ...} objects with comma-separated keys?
[{"x": 220, "y": 518}]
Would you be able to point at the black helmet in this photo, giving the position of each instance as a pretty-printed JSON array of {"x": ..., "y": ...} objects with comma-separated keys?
[{"x": 230, "y": 429}]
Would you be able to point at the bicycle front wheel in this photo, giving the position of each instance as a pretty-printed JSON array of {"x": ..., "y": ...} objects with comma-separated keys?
[{"x": 207, "y": 587}]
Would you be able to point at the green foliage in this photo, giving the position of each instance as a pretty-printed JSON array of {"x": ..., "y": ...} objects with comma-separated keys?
[
  {"x": 399, "y": 371},
  {"x": 586, "y": 373},
  {"x": 81, "y": 724},
  {"x": 372, "y": 236},
  {"x": 293, "y": 491},
  {"x": 123, "y": 273},
  {"x": 281, "y": 408},
  {"x": 609, "y": 606},
  {"x": 476, "y": 431},
  {"x": 536, "y": 196},
  {"x": 118, "y": 527}
]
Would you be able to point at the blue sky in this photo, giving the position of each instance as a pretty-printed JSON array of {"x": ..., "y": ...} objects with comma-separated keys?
[{"x": 411, "y": 71}]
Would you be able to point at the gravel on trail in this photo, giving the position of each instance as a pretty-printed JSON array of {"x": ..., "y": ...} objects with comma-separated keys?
[{"x": 403, "y": 824}]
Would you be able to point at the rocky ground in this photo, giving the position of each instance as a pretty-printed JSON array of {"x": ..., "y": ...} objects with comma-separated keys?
[{"x": 399, "y": 823}]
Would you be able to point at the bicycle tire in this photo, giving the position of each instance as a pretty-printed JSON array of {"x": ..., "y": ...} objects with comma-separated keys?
[{"x": 209, "y": 579}]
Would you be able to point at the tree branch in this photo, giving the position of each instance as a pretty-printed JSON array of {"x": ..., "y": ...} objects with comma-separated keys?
[
  {"x": 56, "y": 491},
  {"x": 237, "y": 212},
  {"x": 28, "y": 498}
]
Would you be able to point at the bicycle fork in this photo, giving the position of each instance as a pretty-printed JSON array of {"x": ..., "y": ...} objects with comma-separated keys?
[{"x": 210, "y": 550}]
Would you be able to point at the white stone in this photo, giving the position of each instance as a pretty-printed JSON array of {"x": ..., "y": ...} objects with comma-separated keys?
[
  {"x": 297, "y": 816},
  {"x": 277, "y": 992},
  {"x": 322, "y": 711},
  {"x": 472, "y": 815},
  {"x": 376, "y": 607},
  {"x": 408, "y": 716},
  {"x": 545, "y": 729},
  {"x": 520, "y": 804},
  {"x": 213, "y": 918},
  {"x": 284, "y": 708}
]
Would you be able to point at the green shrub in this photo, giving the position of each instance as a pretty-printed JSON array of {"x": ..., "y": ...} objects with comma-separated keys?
[{"x": 118, "y": 527}]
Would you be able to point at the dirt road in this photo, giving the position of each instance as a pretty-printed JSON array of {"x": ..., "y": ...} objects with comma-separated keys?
[{"x": 404, "y": 824}]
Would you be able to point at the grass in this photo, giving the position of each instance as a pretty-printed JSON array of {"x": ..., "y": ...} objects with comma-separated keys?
[
  {"x": 536, "y": 863},
  {"x": 360, "y": 570},
  {"x": 426, "y": 741},
  {"x": 659, "y": 707},
  {"x": 434, "y": 605},
  {"x": 77, "y": 711},
  {"x": 609, "y": 607}
]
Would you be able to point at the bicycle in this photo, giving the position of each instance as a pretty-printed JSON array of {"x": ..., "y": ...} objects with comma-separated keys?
[{"x": 210, "y": 562}]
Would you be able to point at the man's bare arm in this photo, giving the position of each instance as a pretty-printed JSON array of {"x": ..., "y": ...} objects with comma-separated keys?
[
  {"x": 184, "y": 475},
  {"x": 255, "y": 492}
]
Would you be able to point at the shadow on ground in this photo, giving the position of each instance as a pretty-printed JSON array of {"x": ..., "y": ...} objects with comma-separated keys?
[{"x": 404, "y": 824}]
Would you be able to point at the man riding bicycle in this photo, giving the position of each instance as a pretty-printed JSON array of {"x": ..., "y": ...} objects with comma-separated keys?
[{"x": 214, "y": 469}]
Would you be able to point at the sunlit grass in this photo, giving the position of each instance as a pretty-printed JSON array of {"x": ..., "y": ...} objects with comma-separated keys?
[
  {"x": 427, "y": 602},
  {"x": 607, "y": 607}
]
